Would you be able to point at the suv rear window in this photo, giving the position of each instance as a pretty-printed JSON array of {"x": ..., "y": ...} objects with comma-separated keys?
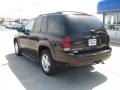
[{"x": 76, "y": 24}]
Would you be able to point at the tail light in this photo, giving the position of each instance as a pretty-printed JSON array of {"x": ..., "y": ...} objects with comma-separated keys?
[{"x": 66, "y": 43}]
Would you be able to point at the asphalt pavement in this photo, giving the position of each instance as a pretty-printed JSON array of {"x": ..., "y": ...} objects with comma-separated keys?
[{"x": 19, "y": 73}]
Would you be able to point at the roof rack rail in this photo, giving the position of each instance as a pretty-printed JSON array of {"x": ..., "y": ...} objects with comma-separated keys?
[
  {"x": 49, "y": 13},
  {"x": 73, "y": 12},
  {"x": 67, "y": 12}
]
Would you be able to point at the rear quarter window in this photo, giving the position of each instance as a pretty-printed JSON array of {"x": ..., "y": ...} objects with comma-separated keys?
[{"x": 56, "y": 25}]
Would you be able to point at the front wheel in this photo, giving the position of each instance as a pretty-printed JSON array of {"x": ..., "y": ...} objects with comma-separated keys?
[
  {"x": 47, "y": 63},
  {"x": 17, "y": 49}
]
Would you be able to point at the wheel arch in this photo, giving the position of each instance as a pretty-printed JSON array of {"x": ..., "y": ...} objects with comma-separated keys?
[
  {"x": 43, "y": 47},
  {"x": 15, "y": 39}
]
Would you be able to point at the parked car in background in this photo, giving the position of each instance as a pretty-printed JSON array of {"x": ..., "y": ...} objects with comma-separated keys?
[
  {"x": 18, "y": 26},
  {"x": 14, "y": 26},
  {"x": 10, "y": 26},
  {"x": 74, "y": 39}
]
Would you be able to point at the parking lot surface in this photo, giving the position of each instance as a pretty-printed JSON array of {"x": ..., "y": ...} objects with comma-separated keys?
[{"x": 19, "y": 73}]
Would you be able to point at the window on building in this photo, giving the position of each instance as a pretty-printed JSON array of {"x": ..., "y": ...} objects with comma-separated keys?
[
  {"x": 118, "y": 19},
  {"x": 110, "y": 21}
]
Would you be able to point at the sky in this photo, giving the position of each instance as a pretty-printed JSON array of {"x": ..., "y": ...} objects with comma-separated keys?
[{"x": 33, "y": 8}]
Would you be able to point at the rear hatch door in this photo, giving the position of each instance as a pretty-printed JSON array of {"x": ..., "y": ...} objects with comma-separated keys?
[{"x": 86, "y": 33}]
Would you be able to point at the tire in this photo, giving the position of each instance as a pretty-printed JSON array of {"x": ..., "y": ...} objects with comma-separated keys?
[
  {"x": 47, "y": 64},
  {"x": 17, "y": 49}
]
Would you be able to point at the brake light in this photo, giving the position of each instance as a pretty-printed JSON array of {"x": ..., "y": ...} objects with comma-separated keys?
[{"x": 66, "y": 43}]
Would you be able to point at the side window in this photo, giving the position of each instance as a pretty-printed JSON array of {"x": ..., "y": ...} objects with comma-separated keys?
[
  {"x": 29, "y": 25},
  {"x": 44, "y": 25},
  {"x": 55, "y": 24},
  {"x": 38, "y": 25}
]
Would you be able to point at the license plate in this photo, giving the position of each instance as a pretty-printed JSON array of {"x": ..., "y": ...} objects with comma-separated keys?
[{"x": 92, "y": 42}]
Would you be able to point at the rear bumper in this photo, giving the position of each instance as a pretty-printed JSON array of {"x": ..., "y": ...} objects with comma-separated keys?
[{"x": 84, "y": 59}]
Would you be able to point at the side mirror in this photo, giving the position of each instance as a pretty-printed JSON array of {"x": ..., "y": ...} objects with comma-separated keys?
[{"x": 27, "y": 32}]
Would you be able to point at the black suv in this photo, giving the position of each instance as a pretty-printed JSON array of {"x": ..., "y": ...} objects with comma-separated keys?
[{"x": 72, "y": 38}]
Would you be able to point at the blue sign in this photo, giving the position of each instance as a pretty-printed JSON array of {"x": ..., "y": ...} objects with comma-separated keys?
[{"x": 108, "y": 6}]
